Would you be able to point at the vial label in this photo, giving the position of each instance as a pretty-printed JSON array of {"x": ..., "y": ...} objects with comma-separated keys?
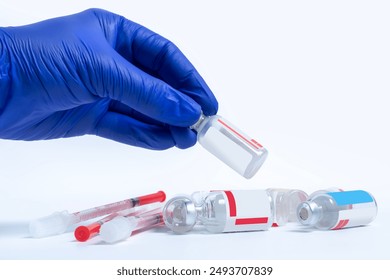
[
  {"x": 247, "y": 210},
  {"x": 355, "y": 217},
  {"x": 360, "y": 208}
]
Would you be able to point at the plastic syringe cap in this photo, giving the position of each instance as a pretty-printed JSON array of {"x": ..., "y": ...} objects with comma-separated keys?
[
  {"x": 53, "y": 224},
  {"x": 82, "y": 233},
  {"x": 117, "y": 229},
  {"x": 179, "y": 214}
]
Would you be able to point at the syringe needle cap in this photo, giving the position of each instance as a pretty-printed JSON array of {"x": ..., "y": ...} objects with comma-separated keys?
[
  {"x": 53, "y": 224},
  {"x": 117, "y": 229}
]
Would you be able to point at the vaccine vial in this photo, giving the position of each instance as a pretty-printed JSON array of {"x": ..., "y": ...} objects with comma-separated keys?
[
  {"x": 284, "y": 203},
  {"x": 219, "y": 211},
  {"x": 237, "y": 150},
  {"x": 337, "y": 210}
]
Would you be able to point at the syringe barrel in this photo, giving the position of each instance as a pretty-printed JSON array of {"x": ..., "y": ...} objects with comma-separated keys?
[
  {"x": 149, "y": 220},
  {"x": 119, "y": 206}
]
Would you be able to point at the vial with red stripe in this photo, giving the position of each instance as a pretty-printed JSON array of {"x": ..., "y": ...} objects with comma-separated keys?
[
  {"x": 338, "y": 210},
  {"x": 220, "y": 211},
  {"x": 237, "y": 150}
]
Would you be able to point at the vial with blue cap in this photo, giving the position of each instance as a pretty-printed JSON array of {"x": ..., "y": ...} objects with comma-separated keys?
[{"x": 338, "y": 210}]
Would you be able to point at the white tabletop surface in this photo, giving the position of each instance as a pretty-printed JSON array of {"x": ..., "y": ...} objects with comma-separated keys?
[{"x": 308, "y": 80}]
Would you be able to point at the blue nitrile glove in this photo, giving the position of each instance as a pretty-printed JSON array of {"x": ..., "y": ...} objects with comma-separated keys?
[{"x": 98, "y": 73}]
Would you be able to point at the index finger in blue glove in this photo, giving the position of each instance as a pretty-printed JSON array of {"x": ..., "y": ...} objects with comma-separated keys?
[
  {"x": 155, "y": 53},
  {"x": 114, "y": 77},
  {"x": 162, "y": 59}
]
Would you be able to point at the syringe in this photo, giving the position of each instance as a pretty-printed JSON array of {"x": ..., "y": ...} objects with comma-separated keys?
[
  {"x": 58, "y": 222},
  {"x": 85, "y": 232},
  {"x": 122, "y": 227}
]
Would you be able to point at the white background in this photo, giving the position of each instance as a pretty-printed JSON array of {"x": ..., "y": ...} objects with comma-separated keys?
[{"x": 307, "y": 79}]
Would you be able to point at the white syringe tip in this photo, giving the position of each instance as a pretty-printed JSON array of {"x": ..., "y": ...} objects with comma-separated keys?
[
  {"x": 53, "y": 224},
  {"x": 117, "y": 229}
]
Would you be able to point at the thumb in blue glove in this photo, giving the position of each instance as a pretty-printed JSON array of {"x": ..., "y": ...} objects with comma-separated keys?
[{"x": 98, "y": 73}]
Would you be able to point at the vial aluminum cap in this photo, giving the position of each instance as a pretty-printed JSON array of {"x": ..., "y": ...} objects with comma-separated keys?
[{"x": 308, "y": 213}]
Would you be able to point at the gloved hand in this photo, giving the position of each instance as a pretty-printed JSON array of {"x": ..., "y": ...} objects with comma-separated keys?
[{"x": 98, "y": 73}]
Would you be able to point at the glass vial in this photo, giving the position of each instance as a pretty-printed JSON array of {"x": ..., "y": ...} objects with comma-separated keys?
[
  {"x": 219, "y": 211},
  {"x": 240, "y": 152},
  {"x": 337, "y": 210},
  {"x": 284, "y": 203}
]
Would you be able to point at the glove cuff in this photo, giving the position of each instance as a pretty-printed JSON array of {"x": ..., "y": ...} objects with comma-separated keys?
[{"x": 4, "y": 72}]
